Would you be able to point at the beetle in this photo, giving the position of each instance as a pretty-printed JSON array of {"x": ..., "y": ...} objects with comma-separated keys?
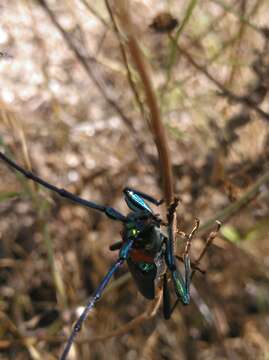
[{"x": 148, "y": 251}]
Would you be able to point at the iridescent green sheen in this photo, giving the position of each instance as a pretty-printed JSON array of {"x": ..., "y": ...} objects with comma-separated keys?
[{"x": 146, "y": 266}]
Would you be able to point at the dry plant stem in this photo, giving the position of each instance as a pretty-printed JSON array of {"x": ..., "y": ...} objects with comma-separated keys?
[
  {"x": 146, "y": 352},
  {"x": 224, "y": 91},
  {"x": 242, "y": 18},
  {"x": 16, "y": 330},
  {"x": 94, "y": 12},
  {"x": 125, "y": 61},
  {"x": 209, "y": 241},
  {"x": 190, "y": 236},
  {"x": 146, "y": 315},
  {"x": 236, "y": 49},
  {"x": 211, "y": 27},
  {"x": 234, "y": 208},
  {"x": 193, "y": 265},
  {"x": 242, "y": 30},
  {"x": 156, "y": 123},
  {"x": 191, "y": 6},
  {"x": 150, "y": 312},
  {"x": 157, "y": 126},
  {"x": 84, "y": 62}
]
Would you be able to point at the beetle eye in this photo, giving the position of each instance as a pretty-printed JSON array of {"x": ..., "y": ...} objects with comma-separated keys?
[{"x": 134, "y": 232}]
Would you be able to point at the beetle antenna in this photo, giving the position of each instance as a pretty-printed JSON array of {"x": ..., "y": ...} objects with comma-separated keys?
[{"x": 110, "y": 212}]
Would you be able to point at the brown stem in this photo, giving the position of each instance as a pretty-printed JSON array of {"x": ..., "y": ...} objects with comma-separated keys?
[
  {"x": 125, "y": 61},
  {"x": 157, "y": 126},
  {"x": 90, "y": 72},
  {"x": 235, "y": 207},
  {"x": 244, "y": 100},
  {"x": 149, "y": 313}
]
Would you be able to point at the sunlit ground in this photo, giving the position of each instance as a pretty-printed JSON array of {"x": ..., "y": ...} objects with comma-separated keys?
[{"x": 57, "y": 118}]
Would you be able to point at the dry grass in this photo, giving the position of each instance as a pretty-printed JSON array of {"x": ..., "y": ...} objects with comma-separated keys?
[{"x": 90, "y": 137}]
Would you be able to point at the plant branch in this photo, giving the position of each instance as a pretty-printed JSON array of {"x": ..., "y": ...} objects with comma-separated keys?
[
  {"x": 90, "y": 72},
  {"x": 125, "y": 61},
  {"x": 232, "y": 209},
  {"x": 157, "y": 126},
  {"x": 244, "y": 100},
  {"x": 182, "y": 26}
]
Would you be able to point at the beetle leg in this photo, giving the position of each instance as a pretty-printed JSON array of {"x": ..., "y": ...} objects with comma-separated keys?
[
  {"x": 144, "y": 196},
  {"x": 181, "y": 284},
  {"x": 193, "y": 264},
  {"x": 189, "y": 265},
  {"x": 166, "y": 299}
]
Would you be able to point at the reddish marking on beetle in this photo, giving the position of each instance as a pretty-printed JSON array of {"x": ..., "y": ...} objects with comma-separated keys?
[{"x": 138, "y": 255}]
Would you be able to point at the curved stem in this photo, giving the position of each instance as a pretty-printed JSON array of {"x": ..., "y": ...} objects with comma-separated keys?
[{"x": 156, "y": 124}]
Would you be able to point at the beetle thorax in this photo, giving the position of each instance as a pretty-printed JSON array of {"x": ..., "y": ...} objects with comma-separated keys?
[{"x": 147, "y": 236}]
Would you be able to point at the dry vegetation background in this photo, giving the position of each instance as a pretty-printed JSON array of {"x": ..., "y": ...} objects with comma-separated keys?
[{"x": 72, "y": 117}]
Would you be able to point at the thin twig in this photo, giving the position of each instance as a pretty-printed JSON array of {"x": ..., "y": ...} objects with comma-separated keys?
[
  {"x": 157, "y": 126},
  {"x": 90, "y": 72},
  {"x": 149, "y": 313},
  {"x": 182, "y": 26},
  {"x": 242, "y": 18},
  {"x": 244, "y": 100},
  {"x": 125, "y": 62},
  {"x": 232, "y": 209},
  {"x": 95, "y": 13}
]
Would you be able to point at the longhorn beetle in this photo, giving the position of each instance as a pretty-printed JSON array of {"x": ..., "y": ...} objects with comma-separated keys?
[{"x": 148, "y": 252}]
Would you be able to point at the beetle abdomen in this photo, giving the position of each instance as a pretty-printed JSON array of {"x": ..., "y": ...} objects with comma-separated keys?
[{"x": 144, "y": 275}]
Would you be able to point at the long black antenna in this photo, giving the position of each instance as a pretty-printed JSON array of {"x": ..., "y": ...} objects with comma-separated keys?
[{"x": 110, "y": 212}]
